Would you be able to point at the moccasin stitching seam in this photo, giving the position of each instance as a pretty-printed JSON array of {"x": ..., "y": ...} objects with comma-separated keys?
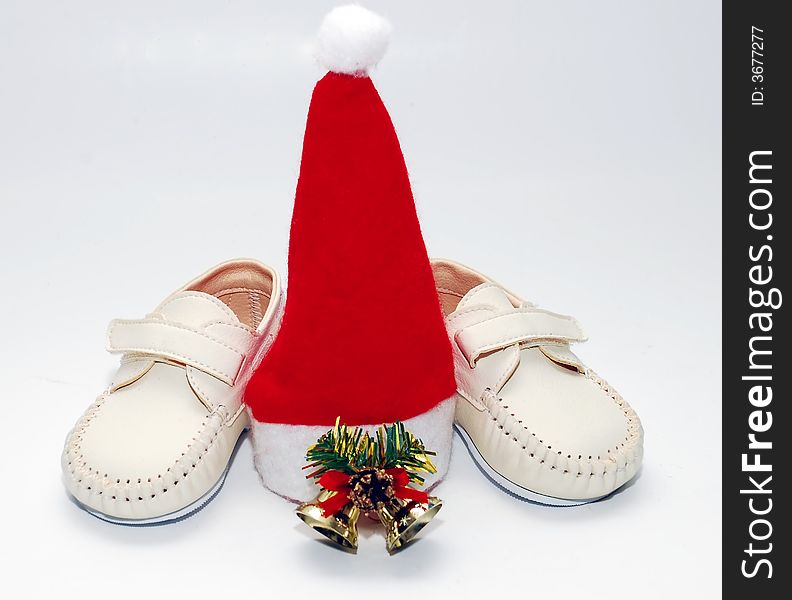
[
  {"x": 87, "y": 478},
  {"x": 632, "y": 437}
]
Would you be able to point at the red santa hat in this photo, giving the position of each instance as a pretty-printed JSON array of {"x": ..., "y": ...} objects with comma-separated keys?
[{"x": 362, "y": 337}]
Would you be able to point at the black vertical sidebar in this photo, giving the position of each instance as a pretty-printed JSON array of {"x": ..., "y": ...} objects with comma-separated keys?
[{"x": 757, "y": 224}]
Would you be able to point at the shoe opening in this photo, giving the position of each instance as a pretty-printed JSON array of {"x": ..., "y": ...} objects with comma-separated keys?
[
  {"x": 453, "y": 281},
  {"x": 244, "y": 286}
]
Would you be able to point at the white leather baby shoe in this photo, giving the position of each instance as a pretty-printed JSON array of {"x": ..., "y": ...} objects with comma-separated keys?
[
  {"x": 535, "y": 419},
  {"x": 156, "y": 445}
]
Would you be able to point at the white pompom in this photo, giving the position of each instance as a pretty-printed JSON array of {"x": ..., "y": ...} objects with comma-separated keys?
[{"x": 352, "y": 40}]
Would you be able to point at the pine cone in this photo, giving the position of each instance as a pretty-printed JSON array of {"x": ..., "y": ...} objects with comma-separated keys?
[{"x": 371, "y": 489}]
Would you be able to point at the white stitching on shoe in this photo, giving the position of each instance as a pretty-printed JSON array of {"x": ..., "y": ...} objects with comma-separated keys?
[
  {"x": 125, "y": 490},
  {"x": 499, "y": 413}
]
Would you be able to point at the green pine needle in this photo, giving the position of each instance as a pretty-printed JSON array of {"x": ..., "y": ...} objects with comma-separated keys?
[{"x": 350, "y": 449}]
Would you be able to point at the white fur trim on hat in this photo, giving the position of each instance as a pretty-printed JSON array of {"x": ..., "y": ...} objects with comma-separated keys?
[
  {"x": 279, "y": 450},
  {"x": 352, "y": 40}
]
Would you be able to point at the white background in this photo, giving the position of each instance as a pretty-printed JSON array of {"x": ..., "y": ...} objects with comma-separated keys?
[{"x": 571, "y": 150}]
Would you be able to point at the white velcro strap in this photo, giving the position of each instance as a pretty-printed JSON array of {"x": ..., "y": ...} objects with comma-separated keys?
[
  {"x": 179, "y": 343},
  {"x": 527, "y": 327}
]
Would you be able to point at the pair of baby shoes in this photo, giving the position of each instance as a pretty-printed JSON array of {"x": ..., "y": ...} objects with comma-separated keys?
[
  {"x": 372, "y": 333},
  {"x": 156, "y": 445}
]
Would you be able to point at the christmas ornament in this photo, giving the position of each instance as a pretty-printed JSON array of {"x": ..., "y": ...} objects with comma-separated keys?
[
  {"x": 363, "y": 334},
  {"x": 364, "y": 474}
]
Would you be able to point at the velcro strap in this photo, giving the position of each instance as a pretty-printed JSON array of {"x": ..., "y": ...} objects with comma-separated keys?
[
  {"x": 527, "y": 327},
  {"x": 179, "y": 343}
]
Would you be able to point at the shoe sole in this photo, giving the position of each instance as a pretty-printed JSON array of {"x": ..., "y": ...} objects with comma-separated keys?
[
  {"x": 176, "y": 516},
  {"x": 508, "y": 485}
]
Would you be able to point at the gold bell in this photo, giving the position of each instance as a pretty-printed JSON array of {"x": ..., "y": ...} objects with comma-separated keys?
[
  {"x": 340, "y": 528},
  {"x": 403, "y": 519}
]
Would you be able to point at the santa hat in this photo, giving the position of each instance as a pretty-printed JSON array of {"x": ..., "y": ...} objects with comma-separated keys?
[{"x": 362, "y": 337}]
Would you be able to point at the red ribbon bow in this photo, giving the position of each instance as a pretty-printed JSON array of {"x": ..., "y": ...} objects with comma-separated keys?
[{"x": 338, "y": 481}]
